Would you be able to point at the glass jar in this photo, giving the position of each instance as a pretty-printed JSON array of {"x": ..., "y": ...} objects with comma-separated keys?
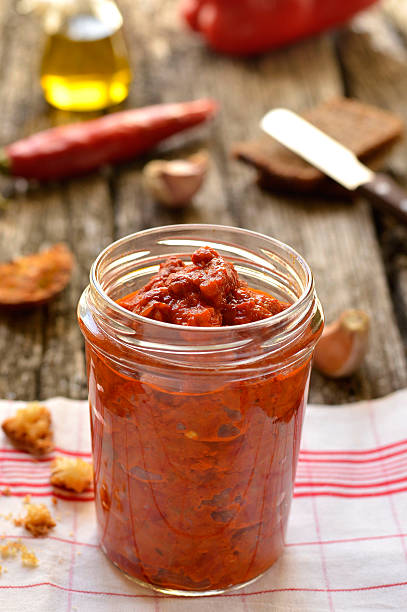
[{"x": 196, "y": 431}]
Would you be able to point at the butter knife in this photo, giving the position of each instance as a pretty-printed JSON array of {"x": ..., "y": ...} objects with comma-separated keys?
[{"x": 335, "y": 160}]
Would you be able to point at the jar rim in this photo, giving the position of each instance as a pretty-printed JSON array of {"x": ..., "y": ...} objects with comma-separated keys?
[{"x": 277, "y": 319}]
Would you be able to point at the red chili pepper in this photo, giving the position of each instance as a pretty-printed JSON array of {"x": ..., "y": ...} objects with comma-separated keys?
[
  {"x": 81, "y": 147},
  {"x": 243, "y": 27}
]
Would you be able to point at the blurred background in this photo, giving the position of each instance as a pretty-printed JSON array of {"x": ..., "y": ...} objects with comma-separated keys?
[{"x": 143, "y": 52}]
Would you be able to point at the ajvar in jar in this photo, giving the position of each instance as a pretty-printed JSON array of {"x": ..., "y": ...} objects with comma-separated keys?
[{"x": 196, "y": 429}]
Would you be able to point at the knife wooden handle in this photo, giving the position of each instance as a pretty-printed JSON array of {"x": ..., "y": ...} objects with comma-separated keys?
[{"x": 386, "y": 195}]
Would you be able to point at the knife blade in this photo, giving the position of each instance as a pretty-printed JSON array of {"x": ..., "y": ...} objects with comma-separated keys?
[{"x": 335, "y": 160}]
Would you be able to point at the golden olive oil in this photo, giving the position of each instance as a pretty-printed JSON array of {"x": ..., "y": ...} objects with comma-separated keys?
[{"x": 85, "y": 66}]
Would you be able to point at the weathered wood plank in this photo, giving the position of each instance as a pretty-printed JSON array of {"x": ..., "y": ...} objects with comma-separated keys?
[
  {"x": 337, "y": 238},
  {"x": 43, "y": 349},
  {"x": 20, "y": 224},
  {"x": 171, "y": 62},
  {"x": 374, "y": 57},
  {"x": 83, "y": 218}
]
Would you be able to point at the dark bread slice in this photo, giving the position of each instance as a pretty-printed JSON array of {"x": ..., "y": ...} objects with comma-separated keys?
[{"x": 366, "y": 130}]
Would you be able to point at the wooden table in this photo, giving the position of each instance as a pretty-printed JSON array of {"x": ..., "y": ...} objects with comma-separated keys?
[{"x": 359, "y": 258}]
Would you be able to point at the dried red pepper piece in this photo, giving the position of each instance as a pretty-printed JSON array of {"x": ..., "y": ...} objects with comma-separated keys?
[
  {"x": 253, "y": 26},
  {"x": 35, "y": 279},
  {"x": 78, "y": 148}
]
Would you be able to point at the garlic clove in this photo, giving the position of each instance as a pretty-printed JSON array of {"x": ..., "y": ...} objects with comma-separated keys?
[
  {"x": 343, "y": 344},
  {"x": 173, "y": 183}
]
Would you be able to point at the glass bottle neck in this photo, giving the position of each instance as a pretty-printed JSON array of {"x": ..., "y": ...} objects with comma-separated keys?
[{"x": 76, "y": 19}]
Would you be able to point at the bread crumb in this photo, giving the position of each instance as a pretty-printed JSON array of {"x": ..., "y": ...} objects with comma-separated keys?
[
  {"x": 12, "y": 548},
  {"x": 6, "y": 491},
  {"x": 9, "y": 549},
  {"x": 54, "y": 501},
  {"x": 27, "y": 499},
  {"x": 30, "y": 429},
  {"x": 72, "y": 474},
  {"x": 37, "y": 520},
  {"x": 29, "y": 559}
]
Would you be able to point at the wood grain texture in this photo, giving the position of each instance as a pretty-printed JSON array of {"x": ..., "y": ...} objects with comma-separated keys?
[
  {"x": 20, "y": 335},
  {"x": 373, "y": 54},
  {"x": 43, "y": 351}
]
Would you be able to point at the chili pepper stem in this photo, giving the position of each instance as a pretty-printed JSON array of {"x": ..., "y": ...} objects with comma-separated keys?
[
  {"x": 4, "y": 202},
  {"x": 4, "y": 162}
]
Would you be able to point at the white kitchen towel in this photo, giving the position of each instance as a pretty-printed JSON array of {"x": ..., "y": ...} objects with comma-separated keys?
[{"x": 346, "y": 545}]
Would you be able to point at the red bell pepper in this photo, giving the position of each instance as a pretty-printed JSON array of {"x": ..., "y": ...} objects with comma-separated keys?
[
  {"x": 78, "y": 148},
  {"x": 244, "y": 27}
]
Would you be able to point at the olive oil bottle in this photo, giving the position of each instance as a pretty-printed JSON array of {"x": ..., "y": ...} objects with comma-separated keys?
[{"x": 85, "y": 63}]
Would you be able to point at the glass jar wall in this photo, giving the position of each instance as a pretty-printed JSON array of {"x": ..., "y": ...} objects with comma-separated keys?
[{"x": 196, "y": 431}]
